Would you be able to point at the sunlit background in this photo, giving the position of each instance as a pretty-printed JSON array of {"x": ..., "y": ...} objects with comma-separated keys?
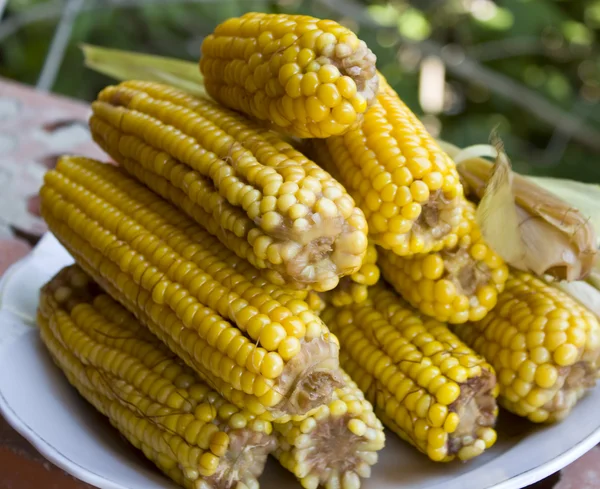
[{"x": 528, "y": 68}]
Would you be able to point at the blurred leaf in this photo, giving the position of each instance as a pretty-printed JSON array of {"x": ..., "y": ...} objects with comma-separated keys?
[
  {"x": 577, "y": 33},
  {"x": 126, "y": 65},
  {"x": 385, "y": 15},
  {"x": 413, "y": 25},
  {"x": 501, "y": 20},
  {"x": 558, "y": 86}
]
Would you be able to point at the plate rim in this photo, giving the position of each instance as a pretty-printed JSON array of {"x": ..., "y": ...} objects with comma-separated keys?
[{"x": 62, "y": 461}]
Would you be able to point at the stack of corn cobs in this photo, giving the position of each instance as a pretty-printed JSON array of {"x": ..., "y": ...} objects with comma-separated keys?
[{"x": 226, "y": 302}]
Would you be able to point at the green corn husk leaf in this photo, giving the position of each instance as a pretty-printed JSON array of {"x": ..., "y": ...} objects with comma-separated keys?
[
  {"x": 530, "y": 227},
  {"x": 128, "y": 65}
]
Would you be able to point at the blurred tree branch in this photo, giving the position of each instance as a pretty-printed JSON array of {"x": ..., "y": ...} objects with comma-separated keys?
[
  {"x": 525, "y": 46},
  {"x": 52, "y": 10}
]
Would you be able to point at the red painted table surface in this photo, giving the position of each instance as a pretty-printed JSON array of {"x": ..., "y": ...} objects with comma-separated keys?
[{"x": 35, "y": 128}]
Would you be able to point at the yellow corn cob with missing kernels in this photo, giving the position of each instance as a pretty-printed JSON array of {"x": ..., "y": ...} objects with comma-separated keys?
[
  {"x": 189, "y": 431},
  {"x": 454, "y": 285},
  {"x": 334, "y": 447},
  {"x": 425, "y": 384},
  {"x": 262, "y": 351},
  {"x": 259, "y": 195},
  {"x": 405, "y": 184},
  {"x": 544, "y": 345},
  {"x": 309, "y": 77},
  {"x": 354, "y": 289}
]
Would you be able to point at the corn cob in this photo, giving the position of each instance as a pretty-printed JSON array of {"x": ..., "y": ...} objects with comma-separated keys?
[
  {"x": 544, "y": 346},
  {"x": 405, "y": 184},
  {"x": 354, "y": 289},
  {"x": 315, "y": 301},
  {"x": 425, "y": 384},
  {"x": 189, "y": 431},
  {"x": 248, "y": 186},
  {"x": 336, "y": 445},
  {"x": 454, "y": 285},
  {"x": 271, "y": 356},
  {"x": 309, "y": 77}
]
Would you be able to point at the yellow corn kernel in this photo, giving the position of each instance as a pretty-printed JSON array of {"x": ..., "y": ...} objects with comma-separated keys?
[
  {"x": 121, "y": 369},
  {"x": 340, "y": 442},
  {"x": 165, "y": 269},
  {"x": 240, "y": 181},
  {"x": 418, "y": 375},
  {"x": 543, "y": 369},
  {"x": 453, "y": 285},
  {"x": 354, "y": 289},
  {"x": 405, "y": 184},
  {"x": 308, "y": 77}
]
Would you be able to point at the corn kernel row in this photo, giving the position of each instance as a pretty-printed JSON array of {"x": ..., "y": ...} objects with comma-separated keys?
[
  {"x": 405, "y": 184},
  {"x": 425, "y": 384},
  {"x": 294, "y": 216},
  {"x": 189, "y": 431},
  {"x": 259, "y": 352},
  {"x": 309, "y": 77},
  {"x": 544, "y": 346}
]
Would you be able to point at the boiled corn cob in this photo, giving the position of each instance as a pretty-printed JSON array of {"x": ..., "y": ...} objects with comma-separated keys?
[
  {"x": 354, "y": 289},
  {"x": 159, "y": 404},
  {"x": 336, "y": 445},
  {"x": 454, "y": 285},
  {"x": 270, "y": 355},
  {"x": 309, "y": 77},
  {"x": 544, "y": 346},
  {"x": 276, "y": 208},
  {"x": 425, "y": 384},
  {"x": 405, "y": 184}
]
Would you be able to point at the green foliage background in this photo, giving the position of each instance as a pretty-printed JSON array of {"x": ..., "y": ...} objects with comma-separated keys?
[{"x": 547, "y": 49}]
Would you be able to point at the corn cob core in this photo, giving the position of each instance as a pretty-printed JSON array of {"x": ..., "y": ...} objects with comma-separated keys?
[
  {"x": 336, "y": 445},
  {"x": 544, "y": 346},
  {"x": 453, "y": 285},
  {"x": 355, "y": 288},
  {"x": 265, "y": 352},
  {"x": 405, "y": 184},
  {"x": 277, "y": 208},
  {"x": 158, "y": 403},
  {"x": 309, "y": 77},
  {"x": 425, "y": 384}
]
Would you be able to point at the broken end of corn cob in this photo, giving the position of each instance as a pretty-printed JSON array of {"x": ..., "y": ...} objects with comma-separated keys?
[
  {"x": 544, "y": 346},
  {"x": 309, "y": 77},
  {"x": 457, "y": 284},
  {"x": 190, "y": 432},
  {"x": 248, "y": 185},
  {"x": 310, "y": 378},
  {"x": 336, "y": 445},
  {"x": 425, "y": 384}
]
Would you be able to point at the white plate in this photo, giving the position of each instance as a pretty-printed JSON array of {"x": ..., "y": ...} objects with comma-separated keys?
[{"x": 38, "y": 402}]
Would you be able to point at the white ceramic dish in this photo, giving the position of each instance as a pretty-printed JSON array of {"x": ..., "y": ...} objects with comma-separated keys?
[{"x": 38, "y": 402}]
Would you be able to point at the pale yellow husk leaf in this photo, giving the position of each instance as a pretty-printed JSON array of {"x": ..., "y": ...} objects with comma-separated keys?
[{"x": 530, "y": 227}]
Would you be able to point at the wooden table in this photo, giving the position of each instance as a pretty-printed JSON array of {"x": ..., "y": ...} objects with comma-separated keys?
[{"x": 34, "y": 129}]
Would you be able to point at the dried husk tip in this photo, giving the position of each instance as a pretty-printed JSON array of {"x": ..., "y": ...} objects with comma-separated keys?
[{"x": 532, "y": 228}]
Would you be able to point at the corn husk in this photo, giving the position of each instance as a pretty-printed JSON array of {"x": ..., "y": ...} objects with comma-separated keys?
[
  {"x": 530, "y": 227},
  {"x": 584, "y": 293},
  {"x": 127, "y": 65}
]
